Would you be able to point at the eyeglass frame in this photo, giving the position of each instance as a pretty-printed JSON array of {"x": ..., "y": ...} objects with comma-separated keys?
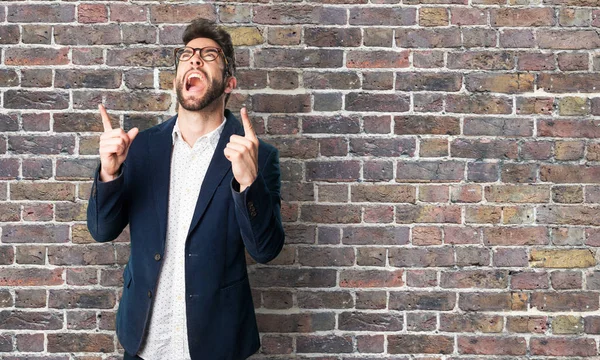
[{"x": 199, "y": 50}]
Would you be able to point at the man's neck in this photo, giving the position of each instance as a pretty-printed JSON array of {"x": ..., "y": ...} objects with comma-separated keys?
[{"x": 195, "y": 124}]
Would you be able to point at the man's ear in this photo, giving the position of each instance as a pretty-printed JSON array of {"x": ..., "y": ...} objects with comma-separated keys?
[{"x": 231, "y": 84}]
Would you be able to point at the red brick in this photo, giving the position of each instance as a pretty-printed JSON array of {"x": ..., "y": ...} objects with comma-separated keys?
[
  {"x": 332, "y": 37},
  {"x": 81, "y": 342},
  {"x": 508, "y": 236},
  {"x": 485, "y": 148},
  {"x": 515, "y": 17},
  {"x": 382, "y": 147},
  {"x": 377, "y": 102},
  {"x": 478, "y": 104},
  {"x": 568, "y": 39},
  {"x": 492, "y": 345},
  {"x": 380, "y": 37},
  {"x": 370, "y": 278},
  {"x": 422, "y": 300},
  {"x": 299, "y": 14},
  {"x": 275, "y": 344},
  {"x": 468, "y": 16},
  {"x": 364, "y": 321},
  {"x": 177, "y": 13},
  {"x": 433, "y": 147},
  {"x": 481, "y": 60},
  {"x": 569, "y": 301},
  {"x": 368, "y": 299},
  {"x": 84, "y": 35},
  {"x": 476, "y": 38},
  {"x": 326, "y": 256},
  {"x": 383, "y": 193},
  {"x": 35, "y": 233},
  {"x": 366, "y": 235},
  {"x": 377, "y": 59},
  {"x": 324, "y": 344},
  {"x": 32, "y": 13},
  {"x": 127, "y": 13},
  {"x": 519, "y": 173},
  {"x": 562, "y": 280},
  {"x": 407, "y": 214},
  {"x": 486, "y": 301},
  {"x": 31, "y": 277},
  {"x": 140, "y": 57},
  {"x": 420, "y": 344},
  {"x": 393, "y": 16},
  {"x": 462, "y": 235},
  {"x": 92, "y": 13},
  {"x": 527, "y": 324},
  {"x": 36, "y": 56},
  {"x": 426, "y": 235},
  {"x": 524, "y": 38},
  {"x": 471, "y": 322},
  {"x": 9, "y": 34},
  {"x": 434, "y": 193},
  {"x": 428, "y": 59},
  {"x": 570, "y": 173},
  {"x": 518, "y": 193},
  {"x": 421, "y": 257},
  {"x": 429, "y": 171},
  {"x": 284, "y": 35},
  {"x": 485, "y": 279},
  {"x": 31, "y": 320},
  {"x": 332, "y": 171},
  {"x": 427, "y": 81},
  {"x": 528, "y": 280},
  {"x": 573, "y": 61},
  {"x": 556, "y": 346},
  {"x": 329, "y": 214},
  {"x": 428, "y": 38}
]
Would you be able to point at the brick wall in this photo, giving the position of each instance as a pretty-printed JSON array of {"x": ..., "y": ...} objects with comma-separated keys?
[{"x": 439, "y": 162}]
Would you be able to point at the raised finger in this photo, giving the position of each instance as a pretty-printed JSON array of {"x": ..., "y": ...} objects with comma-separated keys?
[
  {"x": 248, "y": 129},
  {"x": 105, "y": 118}
]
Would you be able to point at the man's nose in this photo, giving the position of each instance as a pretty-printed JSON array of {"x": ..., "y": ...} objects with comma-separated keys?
[{"x": 196, "y": 60}]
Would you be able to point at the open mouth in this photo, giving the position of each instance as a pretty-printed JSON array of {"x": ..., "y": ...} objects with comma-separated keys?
[{"x": 194, "y": 82}]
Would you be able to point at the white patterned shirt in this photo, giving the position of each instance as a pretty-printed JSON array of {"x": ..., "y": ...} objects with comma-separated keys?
[{"x": 167, "y": 332}]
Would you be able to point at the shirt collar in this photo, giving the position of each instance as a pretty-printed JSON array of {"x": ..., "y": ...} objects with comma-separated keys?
[{"x": 212, "y": 137}]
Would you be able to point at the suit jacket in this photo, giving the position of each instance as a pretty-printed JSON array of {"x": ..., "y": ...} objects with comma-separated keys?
[{"x": 220, "y": 312}]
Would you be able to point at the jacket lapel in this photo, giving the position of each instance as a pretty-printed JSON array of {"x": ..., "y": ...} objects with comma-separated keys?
[
  {"x": 217, "y": 169},
  {"x": 160, "y": 148}
]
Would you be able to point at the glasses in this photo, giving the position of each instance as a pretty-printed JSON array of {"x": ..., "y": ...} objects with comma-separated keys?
[{"x": 207, "y": 54}]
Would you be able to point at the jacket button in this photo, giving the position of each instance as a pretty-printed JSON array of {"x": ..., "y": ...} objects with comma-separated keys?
[
  {"x": 157, "y": 257},
  {"x": 149, "y": 294}
]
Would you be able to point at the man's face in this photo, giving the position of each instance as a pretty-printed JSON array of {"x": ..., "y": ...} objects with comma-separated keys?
[{"x": 199, "y": 83}]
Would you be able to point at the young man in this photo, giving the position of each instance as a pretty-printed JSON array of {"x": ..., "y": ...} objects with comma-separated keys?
[{"x": 196, "y": 191}]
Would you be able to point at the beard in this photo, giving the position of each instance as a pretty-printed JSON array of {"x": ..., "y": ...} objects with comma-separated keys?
[{"x": 214, "y": 90}]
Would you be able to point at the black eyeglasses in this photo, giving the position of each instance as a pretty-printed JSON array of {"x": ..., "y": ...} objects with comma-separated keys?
[{"x": 207, "y": 54}]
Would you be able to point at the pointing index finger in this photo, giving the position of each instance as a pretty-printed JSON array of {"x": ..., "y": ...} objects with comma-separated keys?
[
  {"x": 105, "y": 118},
  {"x": 248, "y": 129}
]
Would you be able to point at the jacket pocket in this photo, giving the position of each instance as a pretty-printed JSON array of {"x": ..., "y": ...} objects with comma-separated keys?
[{"x": 235, "y": 283}]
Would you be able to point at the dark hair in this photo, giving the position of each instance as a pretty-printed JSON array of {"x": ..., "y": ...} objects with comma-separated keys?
[{"x": 203, "y": 28}]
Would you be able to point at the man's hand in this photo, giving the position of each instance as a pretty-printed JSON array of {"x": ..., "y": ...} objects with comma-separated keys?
[
  {"x": 114, "y": 145},
  {"x": 242, "y": 151}
]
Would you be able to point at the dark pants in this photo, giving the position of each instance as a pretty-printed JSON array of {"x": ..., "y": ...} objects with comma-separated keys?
[{"x": 129, "y": 357}]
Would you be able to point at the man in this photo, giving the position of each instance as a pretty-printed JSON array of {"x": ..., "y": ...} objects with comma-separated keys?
[{"x": 196, "y": 191}]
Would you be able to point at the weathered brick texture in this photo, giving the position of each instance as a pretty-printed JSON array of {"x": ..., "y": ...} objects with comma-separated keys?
[{"x": 440, "y": 167}]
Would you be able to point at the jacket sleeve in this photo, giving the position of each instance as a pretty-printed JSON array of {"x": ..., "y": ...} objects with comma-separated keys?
[
  {"x": 107, "y": 213},
  {"x": 258, "y": 210}
]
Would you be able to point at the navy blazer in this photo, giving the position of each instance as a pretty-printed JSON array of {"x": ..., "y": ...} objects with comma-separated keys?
[{"x": 220, "y": 313}]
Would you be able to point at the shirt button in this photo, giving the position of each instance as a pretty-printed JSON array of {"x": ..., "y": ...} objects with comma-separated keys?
[
  {"x": 157, "y": 257},
  {"x": 149, "y": 294}
]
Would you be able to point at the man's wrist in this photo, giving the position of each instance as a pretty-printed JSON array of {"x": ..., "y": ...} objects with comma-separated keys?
[{"x": 106, "y": 177}]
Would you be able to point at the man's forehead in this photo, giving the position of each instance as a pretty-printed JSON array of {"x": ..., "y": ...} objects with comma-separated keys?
[{"x": 202, "y": 42}]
